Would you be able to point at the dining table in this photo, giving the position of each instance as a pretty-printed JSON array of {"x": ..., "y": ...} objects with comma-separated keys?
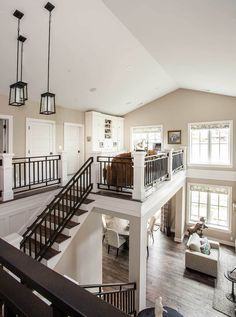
[{"x": 121, "y": 226}]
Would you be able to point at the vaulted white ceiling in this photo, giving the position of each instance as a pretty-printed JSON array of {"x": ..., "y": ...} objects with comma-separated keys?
[{"x": 113, "y": 56}]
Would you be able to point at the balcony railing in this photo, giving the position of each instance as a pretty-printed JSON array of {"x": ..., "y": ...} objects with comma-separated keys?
[
  {"x": 115, "y": 173},
  {"x": 63, "y": 297},
  {"x": 138, "y": 173},
  {"x": 156, "y": 169},
  {"x": 24, "y": 174},
  {"x": 120, "y": 295},
  {"x": 35, "y": 172},
  {"x": 177, "y": 161}
]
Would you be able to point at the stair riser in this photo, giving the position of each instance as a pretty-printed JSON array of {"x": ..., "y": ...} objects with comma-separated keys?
[
  {"x": 74, "y": 218},
  {"x": 56, "y": 246},
  {"x": 83, "y": 206}
]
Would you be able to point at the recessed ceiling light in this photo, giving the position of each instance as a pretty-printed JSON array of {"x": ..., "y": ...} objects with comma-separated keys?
[
  {"x": 92, "y": 89},
  {"x": 129, "y": 68}
]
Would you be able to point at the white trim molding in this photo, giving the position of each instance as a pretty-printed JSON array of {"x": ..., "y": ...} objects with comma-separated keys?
[{"x": 219, "y": 175}]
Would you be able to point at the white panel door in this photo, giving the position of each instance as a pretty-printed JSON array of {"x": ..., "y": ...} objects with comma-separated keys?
[
  {"x": 73, "y": 146},
  {"x": 40, "y": 137}
]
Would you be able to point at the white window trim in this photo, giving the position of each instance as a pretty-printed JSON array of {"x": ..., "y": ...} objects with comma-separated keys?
[
  {"x": 145, "y": 126},
  {"x": 230, "y": 165},
  {"x": 211, "y": 227}
]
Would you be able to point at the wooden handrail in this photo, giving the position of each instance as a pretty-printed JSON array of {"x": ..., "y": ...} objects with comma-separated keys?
[{"x": 66, "y": 297}]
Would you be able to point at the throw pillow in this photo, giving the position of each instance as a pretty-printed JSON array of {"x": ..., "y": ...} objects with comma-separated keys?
[
  {"x": 205, "y": 248},
  {"x": 194, "y": 243}
]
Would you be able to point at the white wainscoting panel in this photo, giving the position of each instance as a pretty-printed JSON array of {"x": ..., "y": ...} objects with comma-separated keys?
[{"x": 17, "y": 215}]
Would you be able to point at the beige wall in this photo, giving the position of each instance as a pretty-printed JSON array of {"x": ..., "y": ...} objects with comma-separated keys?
[
  {"x": 175, "y": 110},
  {"x": 31, "y": 110}
]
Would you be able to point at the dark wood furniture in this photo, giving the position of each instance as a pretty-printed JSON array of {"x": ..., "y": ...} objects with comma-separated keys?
[
  {"x": 150, "y": 312},
  {"x": 231, "y": 296}
]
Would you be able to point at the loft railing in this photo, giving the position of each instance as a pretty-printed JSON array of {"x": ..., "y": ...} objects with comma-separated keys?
[
  {"x": 115, "y": 173},
  {"x": 64, "y": 298},
  {"x": 58, "y": 213},
  {"x": 156, "y": 169},
  {"x": 177, "y": 161},
  {"x": 31, "y": 173},
  {"x": 120, "y": 295},
  {"x": 136, "y": 174}
]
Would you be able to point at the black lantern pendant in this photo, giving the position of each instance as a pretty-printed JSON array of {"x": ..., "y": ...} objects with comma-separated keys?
[
  {"x": 18, "y": 91},
  {"x": 47, "y": 103}
]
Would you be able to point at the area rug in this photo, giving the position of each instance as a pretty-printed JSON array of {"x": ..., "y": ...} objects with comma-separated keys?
[{"x": 223, "y": 286}]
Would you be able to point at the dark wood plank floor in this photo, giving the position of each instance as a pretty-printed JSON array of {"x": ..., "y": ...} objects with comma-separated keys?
[{"x": 189, "y": 292}]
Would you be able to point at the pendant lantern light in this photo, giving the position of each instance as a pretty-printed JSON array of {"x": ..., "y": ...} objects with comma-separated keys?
[
  {"x": 19, "y": 90},
  {"x": 47, "y": 103}
]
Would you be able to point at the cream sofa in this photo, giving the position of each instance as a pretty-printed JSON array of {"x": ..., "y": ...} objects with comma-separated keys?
[{"x": 198, "y": 261}]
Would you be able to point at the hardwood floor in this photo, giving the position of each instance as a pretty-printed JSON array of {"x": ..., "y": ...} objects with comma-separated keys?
[{"x": 189, "y": 292}]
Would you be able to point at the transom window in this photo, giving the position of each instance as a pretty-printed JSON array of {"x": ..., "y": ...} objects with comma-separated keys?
[
  {"x": 210, "y": 143},
  {"x": 150, "y": 137},
  {"x": 211, "y": 202}
]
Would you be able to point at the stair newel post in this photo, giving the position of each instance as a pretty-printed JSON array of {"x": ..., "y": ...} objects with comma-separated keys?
[
  {"x": 184, "y": 149},
  {"x": 6, "y": 174},
  {"x": 63, "y": 167},
  {"x": 170, "y": 163},
  {"x": 139, "y": 175},
  {"x": 95, "y": 171}
]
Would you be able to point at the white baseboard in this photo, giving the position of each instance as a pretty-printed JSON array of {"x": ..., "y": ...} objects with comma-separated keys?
[{"x": 179, "y": 240}]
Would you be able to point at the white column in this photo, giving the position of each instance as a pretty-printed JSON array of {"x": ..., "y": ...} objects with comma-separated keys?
[
  {"x": 180, "y": 214},
  {"x": 95, "y": 171},
  {"x": 139, "y": 168},
  {"x": 6, "y": 174},
  {"x": 138, "y": 259},
  {"x": 170, "y": 160},
  {"x": 63, "y": 168}
]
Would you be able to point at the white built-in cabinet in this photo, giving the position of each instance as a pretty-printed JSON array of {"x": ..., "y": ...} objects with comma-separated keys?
[{"x": 104, "y": 133}]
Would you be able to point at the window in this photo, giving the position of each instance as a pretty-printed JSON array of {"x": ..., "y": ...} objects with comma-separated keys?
[
  {"x": 150, "y": 137},
  {"x": 211, "y": 202},
  {"x": 210, "y": 143}
]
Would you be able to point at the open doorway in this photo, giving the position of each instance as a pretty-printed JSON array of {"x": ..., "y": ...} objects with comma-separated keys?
[
  {"x": 6, "y": 134},
  {"x": 115, "y": 249}
]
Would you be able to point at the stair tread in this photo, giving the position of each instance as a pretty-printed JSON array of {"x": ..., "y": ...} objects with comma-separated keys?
[
  {"x": 78, "y": 212},
  {"x": 50, "y": 253},
  {"x": 86, "y": 201},
  {"x": 70, "y": 224},
  {"x": 60, "y": 237}
]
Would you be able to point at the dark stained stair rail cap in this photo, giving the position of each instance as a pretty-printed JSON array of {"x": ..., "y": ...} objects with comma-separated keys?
[{"x": 66, "y": 296}]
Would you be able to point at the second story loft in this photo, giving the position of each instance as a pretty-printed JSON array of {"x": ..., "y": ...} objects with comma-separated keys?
[{"x": 117, "y": 141}]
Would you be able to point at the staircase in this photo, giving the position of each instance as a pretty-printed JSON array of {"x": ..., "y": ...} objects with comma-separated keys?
[
  {"x": 119, "y": 295},
  {"x": 49, "y": 235}
]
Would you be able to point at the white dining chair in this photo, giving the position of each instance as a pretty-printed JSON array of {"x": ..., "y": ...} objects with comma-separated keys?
[
  {"x": 104, "y": 226},
  {"x": 114, "y": 240},
  {"x": 151, "y": 227}
]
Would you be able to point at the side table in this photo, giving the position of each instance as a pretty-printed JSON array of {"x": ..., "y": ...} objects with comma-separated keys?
[
  {"x": 230, "y": 296},
  {"x": 150, "y": 312}
]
